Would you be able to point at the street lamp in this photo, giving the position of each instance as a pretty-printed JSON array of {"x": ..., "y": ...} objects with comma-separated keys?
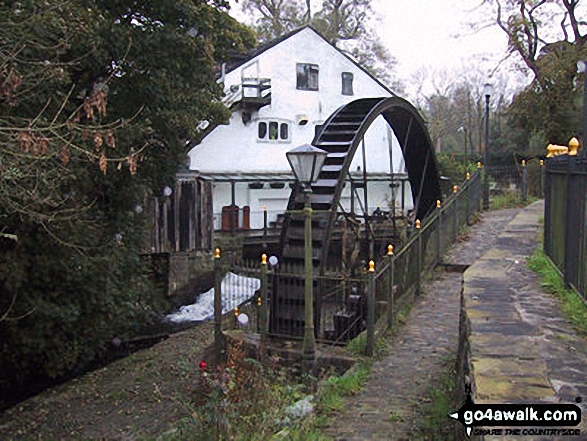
[
  {"x": 582, "y": 68},
  {"x": 487, "y": 91},
  {"x": 464, "y": 129},
  {"x": 306, "y": 162}
]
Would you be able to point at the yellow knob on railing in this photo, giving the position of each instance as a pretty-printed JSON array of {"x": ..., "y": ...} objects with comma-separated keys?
[
  {"x": 573, "y": 147},
  {"x": 236, "y": 311},
  {"x": 438, "y": 205},
  {"x": 541, "y": 162},
  {"x": 371, "y": 266},
  {"x": 468, "y": 176},
  {"x": 264, "y": 259},
  {"x": 523, "y": 163},
  {"x": 479, "y": 165},
  {"x": 555, "y": 150},
  {"x": 217, "y": 253},
  {"x": 259, "y": 301},
  {"x": 390, "y": 250},
  {"x": 417, "y": 224},
  {"x": 455, "y": 188}
]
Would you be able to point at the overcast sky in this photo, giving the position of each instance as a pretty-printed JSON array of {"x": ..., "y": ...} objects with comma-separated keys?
[
  {"x": 436, "y": 34},
  {"x": 430, "y": 34}
]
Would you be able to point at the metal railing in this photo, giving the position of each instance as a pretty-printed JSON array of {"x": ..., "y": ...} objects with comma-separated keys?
[
  {"x": 522, "y": 179},
  {"x": 401, "y": 273},
  {"x": 565, "y": 219},
  {"x": 345, "y": 306}
]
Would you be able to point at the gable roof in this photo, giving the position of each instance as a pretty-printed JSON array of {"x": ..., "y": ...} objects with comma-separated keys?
[{"x": 242, "y": 59}]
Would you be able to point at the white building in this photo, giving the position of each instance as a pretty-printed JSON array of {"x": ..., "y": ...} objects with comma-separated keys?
[{"x": 279, "y": 96}]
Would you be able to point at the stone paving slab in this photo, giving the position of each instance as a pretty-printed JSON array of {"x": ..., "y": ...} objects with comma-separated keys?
[{"x": 520, "y": 350}]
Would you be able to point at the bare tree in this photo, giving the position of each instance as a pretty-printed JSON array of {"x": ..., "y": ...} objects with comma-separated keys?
[
  {"x": 347, "y": 24},
  {"x": 277, "y": 17},
  {"x": 548, "y": 37}
]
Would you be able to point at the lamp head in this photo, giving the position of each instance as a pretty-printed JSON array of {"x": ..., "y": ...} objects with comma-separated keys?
[
  {"x": 487, "y": 90},
  {"x": 306, "y": 162}
]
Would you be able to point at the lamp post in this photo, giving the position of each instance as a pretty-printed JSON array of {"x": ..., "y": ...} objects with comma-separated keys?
[
  {"x": 582, "y": 68},
  {"x": 464, "y": 129},
  {"x": 487, "y": 91},
  {"x": 306, "y": 162}
]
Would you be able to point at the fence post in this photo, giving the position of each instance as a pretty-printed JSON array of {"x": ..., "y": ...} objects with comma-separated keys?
[
  {"x": 480, "y": 187},
  {"x": 419, "y": 257},
  {"x": 390, "y": 296},
  {"x": 218, "y": 336},
  {"x": 455, "y": 189},
  {"x": 439, "y": 232},
  {"x": 467, "y": 197},
  {"x": 262, "y": 302},
  {"x": 265, "y": 228},
  {"x": 524, "y": 181},
  {"x": 547, "y": 208},
  {"x": 573, "y": 219},
  {"x": 542, "y": 178},
  {"x": 370, "y": 309}
]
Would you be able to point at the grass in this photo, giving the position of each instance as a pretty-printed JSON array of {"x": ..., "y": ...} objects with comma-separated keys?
[
  {"x": 335, "y": 391},
  {"x": 510, "y": 199},
  {"x": 573, "y": 307},
  {"x": 332, "y": 396},
  {"x": 434, "y": 422}
]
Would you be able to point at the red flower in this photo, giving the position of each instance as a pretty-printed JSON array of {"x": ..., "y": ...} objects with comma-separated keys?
[{"x": 203, "y": 365}]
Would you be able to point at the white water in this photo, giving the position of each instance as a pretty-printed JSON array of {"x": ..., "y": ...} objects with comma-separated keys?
[{"x": 235, "y": 290}]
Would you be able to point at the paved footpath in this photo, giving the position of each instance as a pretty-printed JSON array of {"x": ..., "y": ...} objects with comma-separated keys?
[
  {"x": 399, "y": 383},
  {"x": 520, "y": 350}
]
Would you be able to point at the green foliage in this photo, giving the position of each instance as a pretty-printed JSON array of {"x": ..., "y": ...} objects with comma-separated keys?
[
  {"x": 453, "y": 166},
  {"x": 509, "y": 199},
  {"x": 434, "y": 422},
  {"x": 97, "y": 100},
  {"x": 553, "y": 113},
  {"x": 349, "y": 384},
  {"x": 573, "y": 307},
  {"x": 550, "y": 104}
]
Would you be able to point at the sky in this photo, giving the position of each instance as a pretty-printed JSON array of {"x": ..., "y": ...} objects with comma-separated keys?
[
  {"x": 431, "y": 35},
  {"x": 435, "y": 35}
]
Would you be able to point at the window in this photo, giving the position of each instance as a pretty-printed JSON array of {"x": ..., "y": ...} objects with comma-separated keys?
[
  {"x": 262, "y": 130},
  {"x": 283, "y": 131},
  {"x": 307, "y": 76},
  {"x": 273, "y": 131},
  {"x": 347, "y": 83}
]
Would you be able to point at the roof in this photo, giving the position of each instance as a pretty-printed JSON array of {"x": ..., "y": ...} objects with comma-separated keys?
[
  {"x": 242, "y": 59},
  {"x": 277, "y": 177}
]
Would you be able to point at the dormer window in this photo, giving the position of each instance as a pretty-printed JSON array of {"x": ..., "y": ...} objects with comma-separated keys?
[
  {"x": 307, "y": 76},
  {"x": 347, "y": 83},
  {"x": 273, "y": 131}
]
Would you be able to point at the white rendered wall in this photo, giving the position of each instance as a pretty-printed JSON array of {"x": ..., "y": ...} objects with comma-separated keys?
[
  {"x": 235, "y": 148},
  {"x": 275, "y": 200}
]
